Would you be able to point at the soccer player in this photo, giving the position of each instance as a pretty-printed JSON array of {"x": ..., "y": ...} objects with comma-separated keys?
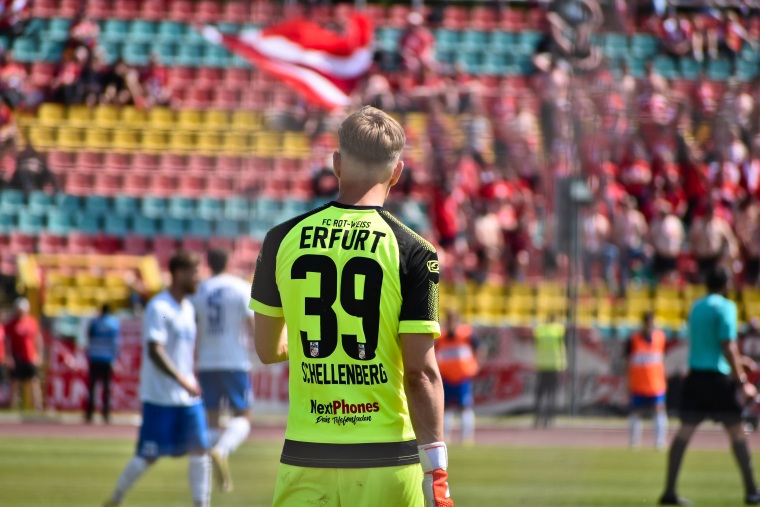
[
  {"x": 710, "y": 389},
  {"x": 455, "y": 353},
  {"x": 551, "y": 362},
  {"x": 173, "y": 421},
  {"x": 23, "y": 335},
  {"x": 225, "y": 326},
  {"x": 646, "y": 380},
  {"x": 102, "y": 349},
  {"x": 359, "y": 293}
]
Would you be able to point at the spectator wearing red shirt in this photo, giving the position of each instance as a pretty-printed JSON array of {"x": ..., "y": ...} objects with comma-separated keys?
[
  {"x": 25, "y": 342},
  {"x": 3, "y": 363},
  {"x": 417, "y": 45}
]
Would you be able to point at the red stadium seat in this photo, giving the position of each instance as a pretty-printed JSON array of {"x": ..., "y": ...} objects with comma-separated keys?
[
  {"x": 165, "y": 184},
  {"x": 226, "y": 98},
  {"x": 80, "y": 243},
  {"x": 69, "y": 8},
  {"x": 100, "y": 9},
  {"x": 180, "y": 76},
  {"x": 108, "y": 183},
  {"x": 236, "y": 11},
  {"x": 164, "y": 244},
  {"x": 137, "y": 183},
  {"x": 116, "y": 160},
  {"x": 220, "y": 186},
  {"x": 200, "y": 163},
  {"x": 228, "y": 164},
  {"x": 378, "y": 13},
  {"x": 208, "y": 77},
  {"x": 43, "y": 8},
  {"x": 50, "y": 243},
  {"x": 61, "y": 160},
  {"x": 89, "y": 160},
  {"x": 253, "y": 98},
  {"x": 153, "y": 10},
  {"x": 483, "y": 18},
  {"x": 198, "y": 98},
  {"x": 22, "y": 243},
  {"x": 136, "y": 245},
  {"x": 174, "y": 162},
  {"x": 196, "y": 245},
  {"x": 193, "y": 184},
  {"x": 397, "y": 15},
  {"x": 79, "y": 183},
  {"x": 224, "y": 243},
  {"x": 107, "y": 245},
  {"x": 512, "y": 19},
  {"x": 236, "y": 77},
  {"x": 127, "y": 9},
  {"x": 248, "y": 245},
  {"x": 263, "y": 12},
  {"x": 180, "y": 10},
  {"x": 146, "y": 161},
  {"x": 208, "y": 11}
]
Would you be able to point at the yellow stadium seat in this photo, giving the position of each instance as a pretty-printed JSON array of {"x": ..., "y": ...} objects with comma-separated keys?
[
  {"x": 125, "y": 139},
  {"x": 51, "y": 114},
  {"x": 751, "y": 294},
  {"x": 53, "y": 309},
  {"x": 217, "y": 118},
  {"x": 70, "y": 137},
  {"x": 97, "y": 138},
  {"x": 669, "y": 309},
  {"x": 154, "y": 139},
  {"x": 209, "y": 141},
  {"x": 694, "y": 292},
  {"x": 58, "y": 279},
  {"x": 42, "y": 136},
  {"x": 550, "y": 289},
  {"x": 133, "y": 117},
  {"x": 520, "y": 289},
  {"x": 634, "y": 309},
  {"x": 605, "y": 312},
  {"x": 80, "y": 115},
  {"x": 266, "y": 143},
  {"x": 161, "y": 117},
  {"x": 86, "y": 279},
  {"x": 668, "y": 292},
  {"x": 107, "y": 116},
  {"x": 295, "y": 144},
  {"x": 752, "y": 310},
  {"x": 246, "y": 120},
  {"x": 182, "y": 140},
  {"x": 114, "y": 280},
  {"x": 520, "y": 310},
  {"x": 236, "y": 142},
  {"x": 190, "y": 119}
]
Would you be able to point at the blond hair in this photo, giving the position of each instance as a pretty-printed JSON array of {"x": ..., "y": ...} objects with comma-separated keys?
[{"x": 372, "y": 137}]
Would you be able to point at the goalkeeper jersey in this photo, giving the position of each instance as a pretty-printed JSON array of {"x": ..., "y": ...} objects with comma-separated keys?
[{"x": 347, "y": 280}]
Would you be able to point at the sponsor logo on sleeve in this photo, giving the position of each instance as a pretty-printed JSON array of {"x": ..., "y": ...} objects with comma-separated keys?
[{"x": 433, "y": 266}]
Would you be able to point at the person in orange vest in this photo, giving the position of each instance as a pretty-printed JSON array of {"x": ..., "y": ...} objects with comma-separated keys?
[
  {"x": 455, "y": 352},
  {"x": 646, "y": 381}
]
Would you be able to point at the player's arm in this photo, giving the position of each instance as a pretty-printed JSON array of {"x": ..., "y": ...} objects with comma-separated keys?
[
  {"x": 270, "y": 339},
  {"x": 728, "y": 336},
  {"x": 156, "y": 335},
  {"x": 423, "y": 387}
]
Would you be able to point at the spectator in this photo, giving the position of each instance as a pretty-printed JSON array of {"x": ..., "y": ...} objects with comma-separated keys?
[
  {"x": 32, "y": 172},
  {"x": 83, "y": 32},
  {"x": 666, "y": 235},
  {"x": 3, "y": 364},
  {"x": 102, "y": 350},
  {"x": 13, "y": 80},
  {"x": 748, "y": 234},
  {"x": 629, "y": 233},
  {"x": 14, "y": 18},
  {"x": 731, "y": 38},
  {"x": 8, "y": 130},
  {"x": 154, "y": 82},
  {"x": 711, "y": 241},
  {"x": 121, "y": 85},
  {"x": 477, "y": 129},
  {"x": 66, "y": 87},
  {"x": 597, "y": 247},
  {"x": 26, "y": 348},
  {"x": 676, "y": 33},
  {"x": 417, "y": 45}
]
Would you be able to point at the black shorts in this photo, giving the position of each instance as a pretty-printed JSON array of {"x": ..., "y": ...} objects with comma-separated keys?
[
  {"x": 710, "y": 395},
  {"x": 24, "y": 371}
]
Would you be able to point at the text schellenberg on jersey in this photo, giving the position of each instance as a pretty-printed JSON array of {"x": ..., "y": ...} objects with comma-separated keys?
[{"x": 343, "y": 374}]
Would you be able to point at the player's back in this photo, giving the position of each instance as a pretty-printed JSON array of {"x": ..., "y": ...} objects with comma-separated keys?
[
  {"x": 712, "y": 320},
  {"x": 221, "y": 304},
  {"x": 348, "y": 280},
  {"x": 171, "y": 324}
]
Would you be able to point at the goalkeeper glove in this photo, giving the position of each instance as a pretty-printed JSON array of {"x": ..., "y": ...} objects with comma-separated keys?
[{"x": 435, "y": 460}]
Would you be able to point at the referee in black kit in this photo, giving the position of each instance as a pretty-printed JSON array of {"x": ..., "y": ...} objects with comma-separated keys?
[{"x": 710, "y": 390}]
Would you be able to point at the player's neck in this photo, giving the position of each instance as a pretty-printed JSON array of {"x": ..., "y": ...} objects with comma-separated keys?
[
  {"x": 374, "y": 196},
  {"x": 177, "y": 294}
]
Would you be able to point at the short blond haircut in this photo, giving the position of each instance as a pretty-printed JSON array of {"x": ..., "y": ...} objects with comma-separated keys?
[{"x": 372, "y": 137}]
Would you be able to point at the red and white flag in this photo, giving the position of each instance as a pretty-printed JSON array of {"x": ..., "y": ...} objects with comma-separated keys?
[{"x": 323, "y": 65}]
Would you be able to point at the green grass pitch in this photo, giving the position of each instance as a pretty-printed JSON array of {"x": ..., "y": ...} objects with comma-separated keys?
[{"x": 49, "y": 472}]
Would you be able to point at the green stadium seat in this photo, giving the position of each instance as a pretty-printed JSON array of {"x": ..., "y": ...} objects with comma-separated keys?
[
  {"x": 96, "y": 204},
  {"x": 65, "y": 203},
  {"x": 292, "y": 208},
  {"x": 750, "y": 54},
  {"x": 50, "y": 51},
  {"x": 11, "y": 200},
  {"x": 193, "y": 36},
  {"x": 170, "y": 31},
  {"x": 719, "y": 70},
  {"x": 125, "y": 205},
  {"x": 227, "y": 228},
  {"x": 111, "y": 50},
  {"x": 690, "y": 68},
  {"x": 25, "y": 49},
  {"x": 30, "y": 224},
  {"x": 135, "y": 53},
  {"x": 503, "y": 41},
  {"x": 444, "y": 56},
  {"x": 232, "y": 28},
  {"x": 57, "y": 29},
  {"x": 143, "y": 226},
  {"x": 8, "y": 220},
  {"x": 39, "y": 203},
  {"x": 527, "y": 42},
  {"x": 153, "y": 207},
  {"x": 87, "y": 223},
  {"x": 58, "y": 223},
  {"x": 172, "y": 227},
  {"x": 523, "y": 64},
  {"x": 115, "y": 30},
  {"x": 388, "y": 38},
  {"x": 115, "y": 225},
  {"x": 215, "y": 56},
  {"x": 237, "y": 208},
  {"x": 210, "y": 209},
  {"x": 474, "y": 40},
  {"x": 494, "y": 64},
  {"x": 644, "y": 46},
  {"x": 746, "y": 71},
  {"x": 636, "y": 66},
  {"x": 446, "y": 40},
  {"x": 267, "y": 207},
  {"x": 188, "y": 54},
  {"x": 615, "y": 45},
  {"x": 666, "y": 67},
  {"x": 469, "y": 60},
  {"x": 165, "y": 51},
  {"x": 258, "y": 229},
  {"x": 199, "y": 228},
  {"x": 142, "y": 31},
  {"x": 181, "y": 207}
]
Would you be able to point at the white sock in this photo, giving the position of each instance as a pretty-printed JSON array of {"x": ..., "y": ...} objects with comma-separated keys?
[
  {"x": 634, "y": 430},
  {"x": 199, "y": 473},
  {"x": 448, "y": 422},
  {"x": 133, "y": 471},
  {"x": 468, "y": 424},
  {"x": 660, "y": 429},
  {"x": 213, "y": 436},
  {"x": 235, "y": 433}
]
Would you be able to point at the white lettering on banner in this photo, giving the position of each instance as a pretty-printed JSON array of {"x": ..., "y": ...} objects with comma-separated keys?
[
  {"x": 644, "y": 358},
  {"x": 460, "y": 352}
]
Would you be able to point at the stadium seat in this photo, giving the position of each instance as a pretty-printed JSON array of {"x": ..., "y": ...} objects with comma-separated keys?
[
  {"x": 137, "y": 183},
  {"x": 125, "y": 205},
  {"x": 108, "y": 183},
  {"x": 199, "y": 228},
  {"x": 97, "y": 138},
  {"x": 170, "y": 31},
  {"x": 115, "y": 225},
  {"x": 29, "y": 223},
  {"x": 39, "y": 203},
  {"x": 194, "y": 244},
  {"x": 11, "y": 200},
  {"x": 153, "y": 207},
  {"x": 96, "y": 204},
  {"x": 115, "y": 30},
  {"x": 227, "y": 229},
  {"x": 142, "y": 30},
  {"x": 8, "y": 221},
  {"x": 155, "y": 140},
  {"x": 180, "y": 10},
  {"x": 106, "y": 116},
  {"x": 127, "y": 9},
  {"x": 181, "y": 207},
  {"x": 210, "y": 208},
  {"x": 136, "y": 245},
  {"x": 51, "y": 243},
  {"x": 125, "y": 139},
  {"x": 116, "y": 160},
  {"x": 87, "y": 223},
  {"x": 51, "y": 114}
]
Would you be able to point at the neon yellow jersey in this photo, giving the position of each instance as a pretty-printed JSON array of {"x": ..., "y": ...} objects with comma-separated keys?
[{"x": 348, "y": 280}]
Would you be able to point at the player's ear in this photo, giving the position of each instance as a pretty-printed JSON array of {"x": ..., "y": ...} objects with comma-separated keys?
[
  {"x": 397, "y": 172},
  {"x": 336, "y": 164}
]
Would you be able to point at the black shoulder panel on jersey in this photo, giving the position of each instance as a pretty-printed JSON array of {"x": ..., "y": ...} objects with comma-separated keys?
[
  {"x": 418, "y": 271},
  {"x": 264, "y": 287}
]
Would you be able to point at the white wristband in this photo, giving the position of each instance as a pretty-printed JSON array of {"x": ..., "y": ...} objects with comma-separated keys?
[{"x": 433, "y": 456}]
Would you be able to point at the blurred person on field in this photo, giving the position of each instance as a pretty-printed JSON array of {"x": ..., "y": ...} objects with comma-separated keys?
[
  {"x": 456, "y": 353},
  {"x": 32, "y": 172},
  {"x": 550, "y": 363},
  {"x": 25, "y": 343},
  {"x": 645, "y": 352},
  {"x": 629, "y": 231},
  {"x": 666, "y": 236},
  {"x": 711, "y": 240},
  {"x": 103, "y": 336}
]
